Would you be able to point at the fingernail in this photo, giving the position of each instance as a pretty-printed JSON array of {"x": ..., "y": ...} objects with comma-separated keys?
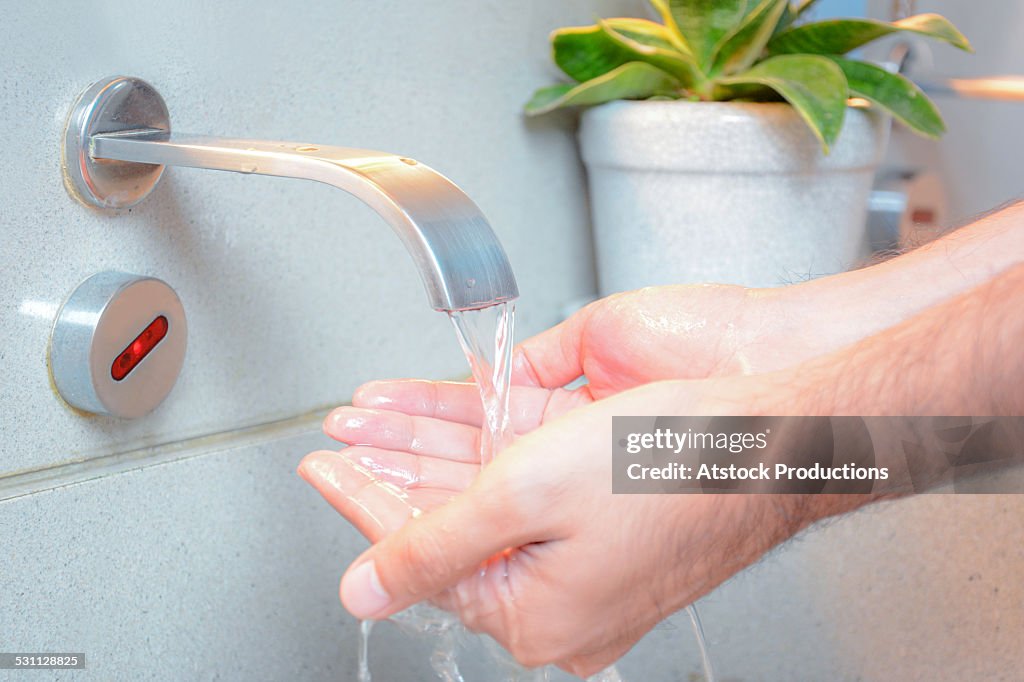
[
  {"x": 347, "y": 419},
  {"x": 361, "y": 591},
  {"x": 321, "y": 467}
]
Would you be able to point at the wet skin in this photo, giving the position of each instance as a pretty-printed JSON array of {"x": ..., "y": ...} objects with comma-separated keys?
[{"x": 560, "y": 552}]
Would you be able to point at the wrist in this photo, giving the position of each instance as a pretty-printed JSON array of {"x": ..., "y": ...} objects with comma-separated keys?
[
  {"x": 860, "y": 303},
  {"x": 790, "y": 325},
  {"x": 823, "y": 315}
]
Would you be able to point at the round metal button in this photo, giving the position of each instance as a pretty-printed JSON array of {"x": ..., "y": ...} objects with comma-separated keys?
[{"x": 118, "y": 344}]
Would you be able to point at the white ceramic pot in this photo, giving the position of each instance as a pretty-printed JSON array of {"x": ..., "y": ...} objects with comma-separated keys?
[{"x": 685, "y": 192}]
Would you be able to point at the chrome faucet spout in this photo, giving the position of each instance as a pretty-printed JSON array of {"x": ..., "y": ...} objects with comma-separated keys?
[{"x": 118, "y": 140}]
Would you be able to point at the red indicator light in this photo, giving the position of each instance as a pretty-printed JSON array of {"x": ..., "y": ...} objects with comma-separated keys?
[{"x": 131, "y": 356}]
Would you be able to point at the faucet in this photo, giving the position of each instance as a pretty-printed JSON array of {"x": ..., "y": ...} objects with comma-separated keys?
[{"x": 118, "y": 141}]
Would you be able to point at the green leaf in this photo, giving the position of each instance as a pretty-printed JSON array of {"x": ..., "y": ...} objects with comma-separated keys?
[
  {"x": 643, "y": 31},
  {"x": 787, "y": 18},
  {"x": 703, "y": 24},
  {"x": 792, "y": 13},
  {"x": 894, "y": 94},
  {"x": 547, "y": 98},
  {"x": 839, "y": 36},
  {"x": 668, "y": 59},
  {"x": 747, "y": 42},
  {"x": 814, "y": 85},
  {"x": 661, "y": 6},
  {"x": 803, "y": 7},
  {"x": 635, "y": 80},
  {"x": 587, "y": 52}
]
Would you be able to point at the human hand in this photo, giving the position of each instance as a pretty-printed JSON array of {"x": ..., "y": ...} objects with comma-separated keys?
[
  {"x": 652, "y": 334},
  {"x": 550, "y": 584},
  {"x": 702, "y": 331},
  {"x": 692, "y": 332},
  {"x": 571, "y": 574}
]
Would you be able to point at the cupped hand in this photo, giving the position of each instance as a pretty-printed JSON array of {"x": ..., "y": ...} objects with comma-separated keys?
[
  {"x": 534, "y": 550},
  {"x": 662, "y": 333}
]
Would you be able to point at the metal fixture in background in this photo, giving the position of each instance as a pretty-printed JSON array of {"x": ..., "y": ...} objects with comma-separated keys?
[
  {"x": 118, "y": 140},
  {"x": 118, "y": 344},
  {"x": 901, "y": 9},
  {"x": 908, "y": 206},
  {"x": 1000, "y": 88},
  {"x": 906, "y": 57}
]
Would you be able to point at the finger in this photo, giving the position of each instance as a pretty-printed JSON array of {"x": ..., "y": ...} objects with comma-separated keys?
[
  {"x": 392, "y": 430},
  {"x": 374, "y": 507},
  {"x": 554, "y": 357},
  {"x": 448, "y": 400},
  {"x": 408, "y": 471},
  {"x": 529, "y": 406},
  {"x": 433, "y": 552}
]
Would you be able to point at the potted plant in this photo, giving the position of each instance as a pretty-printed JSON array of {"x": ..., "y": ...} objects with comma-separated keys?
[{"x": 734, "y": 142}]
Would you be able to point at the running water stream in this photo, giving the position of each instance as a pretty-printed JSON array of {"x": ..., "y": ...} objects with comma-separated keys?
[{"x": 486, "y": 338}]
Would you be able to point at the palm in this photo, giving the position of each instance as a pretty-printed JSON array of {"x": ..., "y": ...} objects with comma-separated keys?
[{"x": 418, "y": 453}]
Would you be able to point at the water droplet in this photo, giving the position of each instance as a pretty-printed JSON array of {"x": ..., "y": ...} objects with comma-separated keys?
[
  {"x": 470, "y": 282},
  {"x": 409, "y": 162},
  {"x": 307, "y": 148}
]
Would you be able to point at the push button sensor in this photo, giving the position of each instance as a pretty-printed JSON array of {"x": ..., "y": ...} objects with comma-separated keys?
[{"x": 118, "y": 344}]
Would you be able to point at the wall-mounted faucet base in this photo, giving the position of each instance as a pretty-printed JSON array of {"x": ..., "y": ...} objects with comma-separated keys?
[{"x": 113, "y": 105}]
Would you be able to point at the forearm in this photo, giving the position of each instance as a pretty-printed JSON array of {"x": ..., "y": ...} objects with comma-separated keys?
[
  {"x": 833, "y": 312},
  {"x": 961, "y": 357}
]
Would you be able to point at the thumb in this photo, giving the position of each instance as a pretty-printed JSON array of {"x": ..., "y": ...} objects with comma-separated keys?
[
  {"x": 554, "y": 357},
  {"x": 434, "y": 551}
]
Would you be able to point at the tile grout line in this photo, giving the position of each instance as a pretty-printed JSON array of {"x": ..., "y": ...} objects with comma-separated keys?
[{"x": 49, "y": 478}]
